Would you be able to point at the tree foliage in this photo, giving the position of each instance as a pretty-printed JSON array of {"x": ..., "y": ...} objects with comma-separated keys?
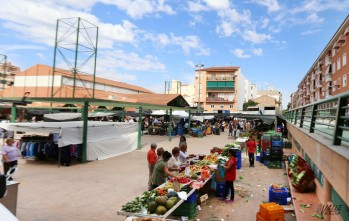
[{"x": 249, "y": 103}]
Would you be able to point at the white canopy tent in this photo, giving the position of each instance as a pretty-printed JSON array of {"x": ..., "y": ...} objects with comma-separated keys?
[
  {"x": 158, "y": 112},
  {"x": 180, "y": 113},
  {"x": 104, "y": 139},
  {"x": 202, "y": 118}
]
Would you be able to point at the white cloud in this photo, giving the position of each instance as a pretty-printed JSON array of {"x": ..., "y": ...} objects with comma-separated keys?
[
  {"x": 272, "y": 5},
  {"x": 197, "y": 19},
  {"x": 139, "y": 8},
  {"x": 314, "y": 18},
  {"x": 257, "y": 51},
  {"x": 191, "y": 64},
  {"x": 310, "y": 31},
  {"x": 15, "y": 47},
  {"x": 232, "y": 21},
  {"x": 240, "y": 53},
  {"x": 41, "y": 56},
  {"x": 130, "y": 61},
  {"x": 252, "y": 36},
  {"x": 198, "y": 6},
  {"x": 218, "y": 5},
  {"x": 265, "y": 23},
  {"x": 36, "y": 22},
  {"x": 187, "y": 43}
]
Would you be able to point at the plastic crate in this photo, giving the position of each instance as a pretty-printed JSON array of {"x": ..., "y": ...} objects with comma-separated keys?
[
  {"x": 220, "y": 187},
  {"x": 259, "y": 217},
  {"x": 258, "y": 158},
  {"x": 276, "y": 143},
  {"x": 186, "y": 209},
  {"x": 192, "y": 198},
  {"x": 272, "y": 212},
  {"x": 278, "y": 192},
  {"x": 280, "y": 201}
]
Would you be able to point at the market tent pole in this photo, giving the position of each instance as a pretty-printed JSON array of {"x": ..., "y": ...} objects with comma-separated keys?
[
  {"x": 170, "y": 127},
  {"x": 84, "y": 132},
  {"x": 13, "y": 113},
  {"x": 189, "y": 121},
  {"x": 139, "y": 144}
]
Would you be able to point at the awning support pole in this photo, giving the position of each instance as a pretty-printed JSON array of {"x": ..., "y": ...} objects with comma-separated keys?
[
  {"x": 139, "y": 143},
  {"x": 13, "y": 113},
  {"x": 170, "y": 127},
  {"x": 189, "y": 121},
  {"x": 84, "y": 132}
]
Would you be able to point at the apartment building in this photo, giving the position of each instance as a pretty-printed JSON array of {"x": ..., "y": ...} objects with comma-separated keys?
[
  {"x": 186, "y": 90},
  {"x": 329, "y": 73},
  {"x": 220, "y": 89},
  {"x": 38, "y": 81},
  {"x": 7, "y": 75},
  {"x": 250, "y": 91}
]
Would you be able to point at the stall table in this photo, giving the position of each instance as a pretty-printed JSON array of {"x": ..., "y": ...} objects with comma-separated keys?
[{"x": 167, "y": 214}]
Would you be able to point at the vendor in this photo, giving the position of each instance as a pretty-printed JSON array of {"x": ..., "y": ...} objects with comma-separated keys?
[
  {"x": 173, "y": 163},
  {"x": 230, "y": 176},
  {"x": 183, "y": 154},
  {"x": 9, "y": 155},
  {"x": 161, "y": 170}
]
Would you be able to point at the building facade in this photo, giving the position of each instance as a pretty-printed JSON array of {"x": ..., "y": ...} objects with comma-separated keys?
[
  {"x": 272, "y": 93},
  {"x": 250, "y": 91},
  {"x": 329, "y": 73},
  {"x": 220, "y": 89},
  {"x": 186, "y": 90},
  {"x": 7, "y": 75},
  {"x": 38, "y": 81}
]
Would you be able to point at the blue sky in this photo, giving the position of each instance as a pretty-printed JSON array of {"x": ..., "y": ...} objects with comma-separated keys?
[{"x": 148, "y": 42}]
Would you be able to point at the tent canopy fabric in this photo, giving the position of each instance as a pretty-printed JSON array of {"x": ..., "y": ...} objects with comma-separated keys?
[
  {"x": 180, "y": 113},
  {"x": 104, "y": 139}
]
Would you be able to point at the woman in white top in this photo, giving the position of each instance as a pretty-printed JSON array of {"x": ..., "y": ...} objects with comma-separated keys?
[
  {"x": 173, "y": 163},
  {"x": 183, "y": 154}
]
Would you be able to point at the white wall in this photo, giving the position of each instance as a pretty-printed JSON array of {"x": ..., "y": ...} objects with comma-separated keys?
[
  {"x": 37, "y": 81},
  {"x": 240, "y": 90}
]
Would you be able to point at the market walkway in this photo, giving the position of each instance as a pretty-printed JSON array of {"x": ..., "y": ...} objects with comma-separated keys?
[{"x": 96, "y": 190}]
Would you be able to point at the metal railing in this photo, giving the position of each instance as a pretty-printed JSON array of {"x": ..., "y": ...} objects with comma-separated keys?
[{"x": 329, "y": 117}]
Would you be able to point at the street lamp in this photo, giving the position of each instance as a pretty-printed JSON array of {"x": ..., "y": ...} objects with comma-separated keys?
[{"x": 199, "y": 66}]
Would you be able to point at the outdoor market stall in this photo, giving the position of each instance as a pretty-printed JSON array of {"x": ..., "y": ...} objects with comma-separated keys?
[{"x": 104, "y": 139}]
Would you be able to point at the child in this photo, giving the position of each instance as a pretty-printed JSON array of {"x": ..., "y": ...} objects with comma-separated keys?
[{"x": 230, "y": 175}]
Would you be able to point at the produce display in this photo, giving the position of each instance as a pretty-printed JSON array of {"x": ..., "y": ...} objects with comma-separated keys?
[
  {"x": 181, "y": 180},
  {"x": 147, "y": 219},
  {"x": 301, "y": 173},
  {"x": 211, "y": 158}
]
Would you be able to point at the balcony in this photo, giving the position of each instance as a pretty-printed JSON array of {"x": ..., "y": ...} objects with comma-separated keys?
[
  {"x": 319, "y": 84},
  {"x": 312, "y": 77},
  {"x": 218, "y": 99},
  {"x": 327, "y": 60},
  {"x": 220, "y": 89},
  {"x": 220, "y": 79},
  {"x": 312, "y": 89},
  {"x": 328, "y": 78}
]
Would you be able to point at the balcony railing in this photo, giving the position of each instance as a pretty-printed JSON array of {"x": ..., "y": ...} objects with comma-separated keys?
[
  {"x": 218, "y": 99},
  {"x": 220, "y": 78},
  {"x": 220, "y": 88},
  {"x": 328, "y": 117},
  {"x": 327, "y": 60},
  {"x": 328, "y": 78}
]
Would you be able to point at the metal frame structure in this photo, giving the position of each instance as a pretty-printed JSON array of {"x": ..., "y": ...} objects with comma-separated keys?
[
  {"x": 76, "y": 44},
  {"x": 85, "y": 102},
  {"x": 334, "y": 110}
]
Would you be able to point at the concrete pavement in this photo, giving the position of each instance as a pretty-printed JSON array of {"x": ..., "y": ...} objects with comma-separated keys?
[{"x": 96, "y": 190}]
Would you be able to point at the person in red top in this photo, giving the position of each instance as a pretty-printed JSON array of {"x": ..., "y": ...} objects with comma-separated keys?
[
  {"x": 152, "y": 158},
  {"x": 251, "y": 149},
  {"x": 230, "y": 176}
]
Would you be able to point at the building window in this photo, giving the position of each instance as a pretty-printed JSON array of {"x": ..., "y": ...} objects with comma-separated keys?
[
  {"x": 338, "y": 64},
  {"x": 339, "y": 83},
  {"x": 344, "y": 59},
  {"x": 231, "y": 106},
  {"x": 333, "y": 67},
  {"x": 344, "y": 80},
  {"x": 212, "y": 105},
  {"x": 221, "y": 106},
  {"x": 333, "y": 52}
]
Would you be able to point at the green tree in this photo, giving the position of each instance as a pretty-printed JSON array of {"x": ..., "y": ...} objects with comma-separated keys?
[{"x": 247, "y": 104}]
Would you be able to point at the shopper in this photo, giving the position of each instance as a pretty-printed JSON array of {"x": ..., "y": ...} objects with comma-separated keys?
[
  {"x": 230, "y": 127},
  {"x": 182, "y": 140},
  {"x": 230, "y": 176},
  {"x": 173, "y": 163},
  {"x": 250, "y": 150},
  {"x": 152, "y": 158},
  {"x": 161, "y": 171},
  {"x": 159, "y": 152},
  {"x": 9, "y": 155},
  {"x": 183, "y": 154}
]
